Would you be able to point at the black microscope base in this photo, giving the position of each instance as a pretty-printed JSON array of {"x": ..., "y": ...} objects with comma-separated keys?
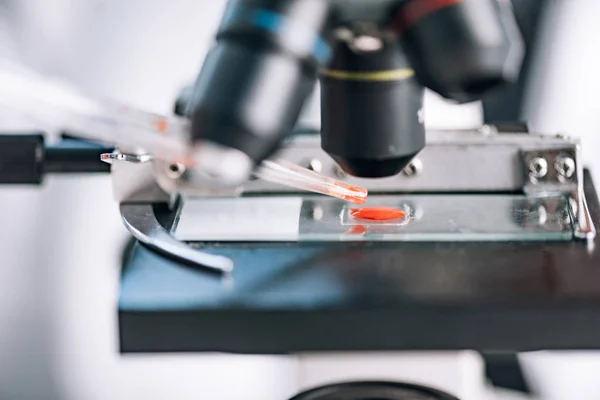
[{"x": 285, "y": 298}]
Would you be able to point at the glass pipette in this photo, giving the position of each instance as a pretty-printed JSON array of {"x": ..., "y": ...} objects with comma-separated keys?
[
  {"x": 289, "y": 174},
  {"x": 58, "y": 105}
]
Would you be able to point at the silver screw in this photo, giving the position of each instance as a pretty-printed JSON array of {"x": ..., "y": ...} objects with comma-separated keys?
[
  {"x": 565, "y": 166},
  {"x": 175, "y": 170},
  {"x": 314, "y": 165},
  {"x": 339, "y": 172},
  {"x": 538, "y": 168},
  {"x": 413, "y": 168}
]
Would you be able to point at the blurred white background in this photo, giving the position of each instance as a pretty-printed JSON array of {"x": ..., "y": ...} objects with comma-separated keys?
[{"x": 58, "y": 332}]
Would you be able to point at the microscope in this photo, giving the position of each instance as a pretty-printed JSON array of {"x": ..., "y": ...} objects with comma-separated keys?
[
  {"x": 492, "y": 212},
  {"x": 500, "y": 222}
]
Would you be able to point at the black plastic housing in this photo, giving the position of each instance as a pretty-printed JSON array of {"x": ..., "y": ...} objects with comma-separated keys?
[
  {"x": 255, "y": 80},
  {"x": 21, "y": 158},
  {"x": 371, "y": 120},
  {"x": 461, "y": 49}
]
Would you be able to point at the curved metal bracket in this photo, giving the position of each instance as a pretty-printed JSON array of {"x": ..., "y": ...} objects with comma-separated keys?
[
  {"x": 140, "y": 220},
  {"x": 584, "y": 226}
]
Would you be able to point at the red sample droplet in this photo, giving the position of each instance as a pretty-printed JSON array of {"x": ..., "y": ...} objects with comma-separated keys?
[{"x": 377, "y": 213}]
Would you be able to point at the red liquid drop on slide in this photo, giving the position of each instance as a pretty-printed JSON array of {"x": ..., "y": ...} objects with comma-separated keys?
[{"x": 377, "y": 213}]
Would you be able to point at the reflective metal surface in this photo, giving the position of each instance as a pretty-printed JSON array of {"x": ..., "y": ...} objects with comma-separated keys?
[
  {"x": 584, "y": 227},
  {"x": 218, "y": 166},
  {"x": 143, "y": 225},
  {"x": 428, "y": 218},
  {"x": 136, "y": 183},
  {"x": 550, "y": 171},
  {"x": 132, "y": 158},
  {"x": 469, "y": 160}
]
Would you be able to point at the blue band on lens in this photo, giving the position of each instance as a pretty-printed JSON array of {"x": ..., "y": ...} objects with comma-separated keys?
[
  {"x": 268, "y": 20},
  {"x": 275, "y": 22}
]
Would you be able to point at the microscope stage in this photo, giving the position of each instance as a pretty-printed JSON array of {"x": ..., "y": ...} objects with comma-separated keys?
[{"x": 427, "y": 284}]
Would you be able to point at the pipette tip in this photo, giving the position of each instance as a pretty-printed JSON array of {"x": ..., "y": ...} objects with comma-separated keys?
[{"x": 289, "y": 174}]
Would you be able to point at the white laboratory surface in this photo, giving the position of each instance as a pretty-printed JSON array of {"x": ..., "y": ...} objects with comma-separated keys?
[{"x": 61, "y": 244}]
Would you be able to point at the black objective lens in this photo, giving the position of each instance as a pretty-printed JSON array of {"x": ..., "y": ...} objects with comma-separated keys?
[
  {"x": 256, "y": 79},
  {"x": 371, "y": 118},
  {"x": 460, "y": 48}
]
